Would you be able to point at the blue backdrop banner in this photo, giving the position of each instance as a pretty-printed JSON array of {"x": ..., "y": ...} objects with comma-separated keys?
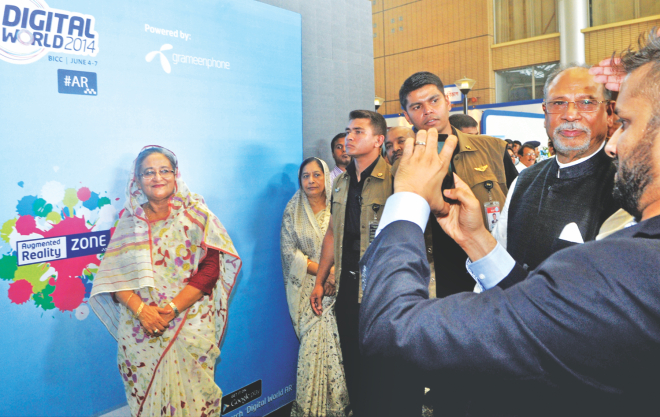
[{"x": 85, "y": 85}]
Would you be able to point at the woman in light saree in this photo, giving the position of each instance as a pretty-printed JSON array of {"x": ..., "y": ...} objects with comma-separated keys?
[
  {"x": 321, "y": 385},
  {"x": 162, "y": 291}
]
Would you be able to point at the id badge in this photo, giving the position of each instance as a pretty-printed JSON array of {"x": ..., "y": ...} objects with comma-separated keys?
[
  {"x": 373, "y": 226},
  {"x": 492, "y": 213}
]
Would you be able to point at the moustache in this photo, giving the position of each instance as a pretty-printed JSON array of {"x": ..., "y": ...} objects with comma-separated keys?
[
  {"x": 397, "y": 154},
  {"x": 572, "y": 126}
]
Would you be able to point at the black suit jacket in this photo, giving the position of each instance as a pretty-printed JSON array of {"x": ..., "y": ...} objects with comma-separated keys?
[{"x": 580, "y": 335}]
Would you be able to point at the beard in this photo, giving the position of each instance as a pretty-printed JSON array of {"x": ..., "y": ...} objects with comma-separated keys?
[
  {"x": 342, "y": 160},
  {"x": 396, "y": 155},
  {"x": 560, "y": 144},
  {"x": 634, "y": 174}
]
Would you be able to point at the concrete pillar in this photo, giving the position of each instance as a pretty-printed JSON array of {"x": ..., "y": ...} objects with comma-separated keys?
[{"x": 573, "y": 17}]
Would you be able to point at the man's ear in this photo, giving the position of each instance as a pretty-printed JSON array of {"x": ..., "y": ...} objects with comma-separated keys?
[
  {"x": 379, "y": 141},
  {"x": 610, "y": 113},
  {"x": 405, "y": 114}
]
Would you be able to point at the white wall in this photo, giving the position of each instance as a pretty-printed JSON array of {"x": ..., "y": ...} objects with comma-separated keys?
[{"x": 338, "y": 67}]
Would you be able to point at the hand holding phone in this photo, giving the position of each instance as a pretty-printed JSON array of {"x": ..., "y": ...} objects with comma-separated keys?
[{"x": 448, "y": 182}]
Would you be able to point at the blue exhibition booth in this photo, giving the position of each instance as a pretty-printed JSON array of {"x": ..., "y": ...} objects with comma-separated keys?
[{"x": 85, "y": 85}]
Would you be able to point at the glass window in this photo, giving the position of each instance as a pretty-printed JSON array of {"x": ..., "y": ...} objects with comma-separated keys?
[
  {"x": 521, "y": 19},
  {"x": 518, "y": 84},
  {"x": 612, "y": 11}
]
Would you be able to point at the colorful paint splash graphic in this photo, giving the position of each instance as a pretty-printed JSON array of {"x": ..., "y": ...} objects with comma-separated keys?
[{"x": 64, "y": 284}]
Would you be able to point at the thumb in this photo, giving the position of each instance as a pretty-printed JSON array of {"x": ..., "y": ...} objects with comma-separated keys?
[
  {"x": 461, "y": 192},
  {"x": 460, "y": 183}
]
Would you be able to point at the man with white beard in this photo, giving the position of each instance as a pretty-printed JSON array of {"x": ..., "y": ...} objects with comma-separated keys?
[{"x": 564, "y": 200}]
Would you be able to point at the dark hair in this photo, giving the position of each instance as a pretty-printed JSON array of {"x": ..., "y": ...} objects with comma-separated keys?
[
  {"x": 148, "y": 151},
  {"x": 607, "y": 94},
  {"x": 517, "y": 142},
  {"x": 509, "y": 141},
  {"x": 377, "y": 121},
  {"x": 648, "y": 52},
  {"x": 304, "y": 164},
  {"x": 335, "y": 139},
  {"x": 417, "y": 81},
  {"x": 521, "y": 151},
  {"x": 459, "y": 121}
]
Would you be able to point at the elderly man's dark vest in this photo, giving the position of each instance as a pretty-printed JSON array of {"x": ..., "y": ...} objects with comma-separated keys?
[{"x": 547, "y": 198}]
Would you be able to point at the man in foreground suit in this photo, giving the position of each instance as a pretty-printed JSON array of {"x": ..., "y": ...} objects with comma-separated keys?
[{"x": 580, "y": 335}]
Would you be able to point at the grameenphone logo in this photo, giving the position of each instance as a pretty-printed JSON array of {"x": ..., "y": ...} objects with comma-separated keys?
[{"x": 163, "y": 60}]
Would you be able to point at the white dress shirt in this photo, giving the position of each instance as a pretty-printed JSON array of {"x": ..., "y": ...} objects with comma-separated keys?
[
  {"x": 500, "y": 230},
  {"x": 487, "y": 271}
]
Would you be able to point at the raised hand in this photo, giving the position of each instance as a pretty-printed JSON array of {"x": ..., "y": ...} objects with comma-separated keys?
[
  {"x": 422, "y": 170},
  {"x": 463, "y": 222},
  {"x": 608, "y": 72}
]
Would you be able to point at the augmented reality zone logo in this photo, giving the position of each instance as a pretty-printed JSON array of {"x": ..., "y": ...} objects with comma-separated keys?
[
  {"x": 34, "y": 261},
  {"x": 31, "y": 29}
]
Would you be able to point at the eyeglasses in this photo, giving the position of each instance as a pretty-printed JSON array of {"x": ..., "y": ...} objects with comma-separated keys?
[
  {"x": 150, "y": 174},
  {"x": 583, "y": 106},
  {"x": 530, "y": 154}
]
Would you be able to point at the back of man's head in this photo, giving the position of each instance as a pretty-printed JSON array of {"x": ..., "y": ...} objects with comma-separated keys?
[
  {"x": 377, "y": 121},
  {"x": 637, "y": 183},
  {"x": 335, "y": 139},
  {"x": 463, "y": 121},
  {"x": 417, "y": 81},
  {"x": 648, "y": 52}
]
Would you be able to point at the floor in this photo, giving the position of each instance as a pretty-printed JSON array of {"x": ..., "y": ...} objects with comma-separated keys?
[
  {"x": 284, "y": 411},
  {"x": 119, "y": 412}
]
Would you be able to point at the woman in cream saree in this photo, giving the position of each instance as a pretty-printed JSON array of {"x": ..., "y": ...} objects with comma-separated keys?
[
  {"x": 321, "y": 385},
  {"x": 166, "y": 370}
]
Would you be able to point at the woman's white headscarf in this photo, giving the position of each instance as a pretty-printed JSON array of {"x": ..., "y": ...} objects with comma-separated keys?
[
  {"x": 300, "y": 240},
  {"x": 127, "y": 262}
]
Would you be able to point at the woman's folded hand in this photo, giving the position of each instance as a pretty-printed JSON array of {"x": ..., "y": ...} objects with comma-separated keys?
[
  {"x": 152, "y": 321},
  {"x": 166, "y": 313}
]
